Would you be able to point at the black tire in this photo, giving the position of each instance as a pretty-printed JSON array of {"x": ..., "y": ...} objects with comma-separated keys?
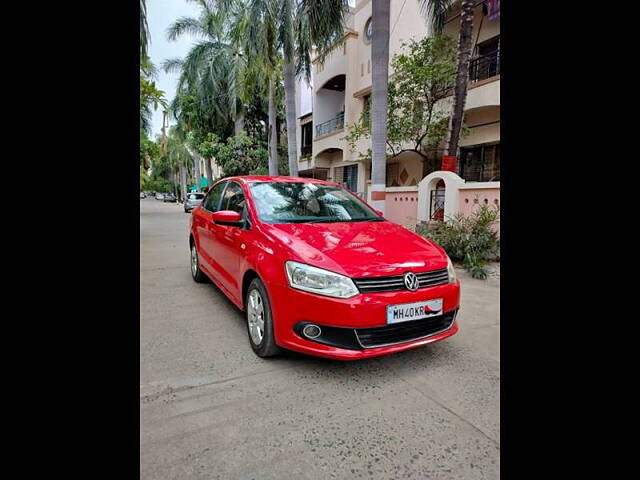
[
  {"x": 267, "y": 346},
  {"x": 196, "y": 273}
]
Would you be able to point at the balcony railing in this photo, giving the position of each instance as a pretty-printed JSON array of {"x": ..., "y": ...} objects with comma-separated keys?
[
  {"x": 485, "y": 66},
  {"x": 330, "y": 126}
]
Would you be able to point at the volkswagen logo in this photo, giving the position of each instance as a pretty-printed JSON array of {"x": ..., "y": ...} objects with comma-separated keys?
[{"x": 411, "y": 281}]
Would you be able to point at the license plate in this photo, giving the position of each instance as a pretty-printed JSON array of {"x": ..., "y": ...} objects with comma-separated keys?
[{"x": 414, "y": 311}]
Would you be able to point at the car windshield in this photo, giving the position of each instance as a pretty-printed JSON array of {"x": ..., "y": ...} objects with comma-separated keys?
[{"x": 308, "y": 202}]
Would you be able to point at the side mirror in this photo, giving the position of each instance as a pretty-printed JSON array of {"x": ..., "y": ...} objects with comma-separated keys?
[{"x": 227, "y": 217}]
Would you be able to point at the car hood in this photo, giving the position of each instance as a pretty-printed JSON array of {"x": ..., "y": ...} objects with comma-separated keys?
[{"x": 358, "y": 249}]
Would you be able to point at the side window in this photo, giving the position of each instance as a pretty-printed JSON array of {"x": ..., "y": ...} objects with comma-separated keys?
[
  {"x": 213, "y": 199},
  {"x": 233, "y": 198}
]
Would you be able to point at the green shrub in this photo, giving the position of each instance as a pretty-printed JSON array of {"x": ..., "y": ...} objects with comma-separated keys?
[
  {"x": 470, "y": 240},
  {"x": 157, "y": 184}
]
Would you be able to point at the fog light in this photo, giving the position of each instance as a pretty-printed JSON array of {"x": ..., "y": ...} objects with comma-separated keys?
[{"x": 311, "y": 331}]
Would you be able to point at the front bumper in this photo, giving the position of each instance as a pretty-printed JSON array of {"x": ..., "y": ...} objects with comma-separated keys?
[{"x": 342, "y": 319}]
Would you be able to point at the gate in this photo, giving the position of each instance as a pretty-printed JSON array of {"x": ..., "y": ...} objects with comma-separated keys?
[{"x": 437, "y": 204}]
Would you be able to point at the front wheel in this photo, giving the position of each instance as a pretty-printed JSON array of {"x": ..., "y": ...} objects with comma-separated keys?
[
  {"x": 196, "y": 273},
  {"x": 260, "y": 320}
]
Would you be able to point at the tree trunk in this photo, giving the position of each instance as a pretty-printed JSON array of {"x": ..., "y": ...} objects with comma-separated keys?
[
  {"x": 196, "y": 169},
  {"x": 379, "y": 90},
  {"x": 238, "y": 125},
  {"x": 183, "y": 183},
  {"x": 273, "y": 132},
  {"x": 207, "y": 166},
  {"x": 462, "y": 75},
  {"x": 290, "y": 107}
]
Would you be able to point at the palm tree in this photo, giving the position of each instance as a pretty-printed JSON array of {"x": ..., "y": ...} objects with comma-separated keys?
[
  {"x": 186, "y": 111},
  {"x": 317, "y": 23},
  {"x": 150, "y": 96},
  {"x": 289, "y": 74},
  {"x": 214, "y": 67},
  {"x": 212, "y": 74},
  {"x": 379, "y": 89},
  {"x": 144, "y": 29},
  {"x": 179, "y": 157},
  {"x": 437, "y": 10},
  {"x": 261, "y": 48}
]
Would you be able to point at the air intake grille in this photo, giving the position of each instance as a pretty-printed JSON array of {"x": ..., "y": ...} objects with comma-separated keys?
[
  {"x": 396, "y": 283},
  {"x": 405, "y": 331}
]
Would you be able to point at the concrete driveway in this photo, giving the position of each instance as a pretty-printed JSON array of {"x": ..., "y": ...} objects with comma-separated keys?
[{"x": 211, "y": 409}]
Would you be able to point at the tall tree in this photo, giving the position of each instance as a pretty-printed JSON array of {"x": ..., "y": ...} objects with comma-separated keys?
[
  {"x": 436, "y": 11},
  {"x": 379, "y": 90},
  {"x": 185, "y": 109},
  {"x": 289, "y": 74},
  {"x": 214, "y": 68},
  {"x": 261, "y": 47},
  {"x": 304, "y": 25},
  {"x": 144, "y": 29}
]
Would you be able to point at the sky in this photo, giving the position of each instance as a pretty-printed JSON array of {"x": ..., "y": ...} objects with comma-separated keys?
[{"x": 161, "y": 13}]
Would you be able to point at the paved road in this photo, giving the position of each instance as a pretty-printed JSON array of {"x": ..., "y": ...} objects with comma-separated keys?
[{"x": 211, "y": 409}]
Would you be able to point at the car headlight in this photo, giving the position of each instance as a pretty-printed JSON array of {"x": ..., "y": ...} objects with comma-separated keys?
[
  {"x": 320, "y": 281},
  {"x": 451, "y": 271}
]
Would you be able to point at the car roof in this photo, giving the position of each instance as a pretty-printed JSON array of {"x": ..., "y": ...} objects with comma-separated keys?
[{"x": 278, "y": 178}]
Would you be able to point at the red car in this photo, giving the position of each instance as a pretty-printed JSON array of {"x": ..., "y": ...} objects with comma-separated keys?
[{"x": 318, "y": 271}]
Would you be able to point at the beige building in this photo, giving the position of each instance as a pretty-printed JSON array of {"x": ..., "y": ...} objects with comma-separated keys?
[{"x": 341, "y": 87}]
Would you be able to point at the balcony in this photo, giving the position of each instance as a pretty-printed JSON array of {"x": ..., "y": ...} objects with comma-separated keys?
[
  {"x": 484, "y": 66},
  {"x": 325, "y": 128}
]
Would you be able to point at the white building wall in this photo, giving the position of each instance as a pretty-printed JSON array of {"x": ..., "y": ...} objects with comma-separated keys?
[
  {"x": 329, "y": 103},
  {"x": 305, "y": 100}
]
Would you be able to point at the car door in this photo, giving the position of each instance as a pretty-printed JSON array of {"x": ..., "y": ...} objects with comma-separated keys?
[
  {"x": 230, "y": 241},
  {"x": 206, "y": 229}
]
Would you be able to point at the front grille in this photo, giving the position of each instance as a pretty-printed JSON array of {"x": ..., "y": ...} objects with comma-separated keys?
[
  {"x": 396, "y": 283},
  {"x": 405, "y": 331}
]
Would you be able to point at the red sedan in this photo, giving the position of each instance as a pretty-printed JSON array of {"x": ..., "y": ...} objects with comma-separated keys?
[{"x": 318, "y": 271}]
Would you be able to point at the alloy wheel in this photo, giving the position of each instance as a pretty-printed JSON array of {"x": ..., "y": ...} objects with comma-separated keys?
[
  {"x": 255, "y": 316},
  {"x": 194, "y": 260}
]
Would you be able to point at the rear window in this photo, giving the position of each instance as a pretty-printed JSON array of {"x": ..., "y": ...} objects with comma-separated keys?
[{"x": 195, "y": 196}]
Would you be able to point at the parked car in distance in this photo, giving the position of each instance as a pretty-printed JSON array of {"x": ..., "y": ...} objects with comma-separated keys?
[
  {"x": 319, "y": 271},
  {"x": 143, "y": 195},
  {"x": 169, "y": 197},
  {"x": 159, "y": 196},
  {"x": 192, "y": 201}
]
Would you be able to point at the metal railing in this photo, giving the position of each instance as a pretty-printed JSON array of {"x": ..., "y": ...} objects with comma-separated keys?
[
  {"x": 481, "y": 173},
  {"x": 485, "y": 66},
  {"x": 329, "y": 126}
]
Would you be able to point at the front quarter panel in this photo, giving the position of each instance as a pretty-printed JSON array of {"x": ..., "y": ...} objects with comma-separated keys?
[{"x": 264, "y": 257}]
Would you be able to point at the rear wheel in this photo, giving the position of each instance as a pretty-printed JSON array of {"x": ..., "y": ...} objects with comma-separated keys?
[
  {"x": 260, "y": 320},
  {"x": 196, "y": 273}
]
